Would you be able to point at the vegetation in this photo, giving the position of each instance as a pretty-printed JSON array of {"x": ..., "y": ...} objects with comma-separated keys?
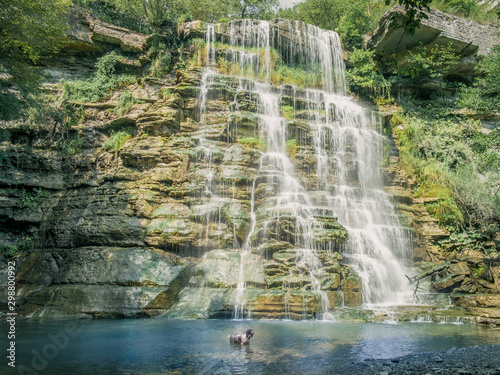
[
  {"x": 471, "y": 9},
  {"x": 116, "y": 141},
  {"x": 101, "y": 85},
  {"x": 484, "y": 95},
  {"x": 291, "y": 147},
  {"x": 252, "y": 142},
  {"x": 352, "y": 19},
  {"x": 366, "y": 77},
  {"x": 32, "y": 200},
  {"x": 9, "y": 251},
  {"x": 455, "y": 163},
  {"x": 29, "y": 30},
  {"x": 454, "y": 160}
]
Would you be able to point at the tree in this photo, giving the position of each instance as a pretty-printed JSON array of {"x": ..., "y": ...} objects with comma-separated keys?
[
  {"x": 351, "y": 19},
  {"x": 29, "y": 29},
  {"x": 255, "y": 8},
  {"x": 155, "y": 13},
  {"x": 413, "y": 15}
]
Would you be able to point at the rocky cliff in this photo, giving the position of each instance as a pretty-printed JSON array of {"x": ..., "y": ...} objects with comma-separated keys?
[
  {"x": 132, "y": 232},
  {"x": 135, "y": 232}
]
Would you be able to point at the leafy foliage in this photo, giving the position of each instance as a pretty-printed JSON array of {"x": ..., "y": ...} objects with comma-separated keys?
[
  {"x": 478, "y": 11},
  {"x": 484, "y": 95},
  {"x": 116, "y": 141},
  {"x": 422, "y": 64},
  {"x": 447, "y": 157},
  {"x": 9, "y": 251},
  {"x": 352, "y": 19},
  {"x": 412, "y": 16},
  {"x": 32, "y": 200},
  {"x": 124, "y": 103},
  {"x": 101, "y": 84},
  {"x": 365, "y": 75},
  {"x": 29, "y": 29}
]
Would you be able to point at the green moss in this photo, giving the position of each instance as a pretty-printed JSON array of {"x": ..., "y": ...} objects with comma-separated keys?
[
  {"x": 291, "y": 147},
  {"x": 287, "y": 111},
  {"x": 252, "y": 142}
]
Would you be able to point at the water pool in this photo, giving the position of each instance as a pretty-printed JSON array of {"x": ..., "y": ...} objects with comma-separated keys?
[{"x": 159, "y": 346}]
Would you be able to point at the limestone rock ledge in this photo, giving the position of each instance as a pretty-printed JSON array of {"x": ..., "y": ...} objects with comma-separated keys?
[
  {"x": 468, "y": 38},
  {"x": 90, "y": 34}
]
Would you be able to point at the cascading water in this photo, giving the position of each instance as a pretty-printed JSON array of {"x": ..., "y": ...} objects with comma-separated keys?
[{"x": 347, "y": 149}]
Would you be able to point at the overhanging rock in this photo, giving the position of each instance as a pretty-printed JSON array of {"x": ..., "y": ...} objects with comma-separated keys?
[
  {"x": 468, "y": 38},
  {"x": 89, "y": 34}
]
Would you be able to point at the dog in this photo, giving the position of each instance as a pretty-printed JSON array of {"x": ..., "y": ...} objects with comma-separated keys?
[{"x": 242, "y": 339}]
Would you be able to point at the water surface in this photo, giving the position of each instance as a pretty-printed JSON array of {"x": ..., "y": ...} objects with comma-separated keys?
[{"x": 201, "y": 347}]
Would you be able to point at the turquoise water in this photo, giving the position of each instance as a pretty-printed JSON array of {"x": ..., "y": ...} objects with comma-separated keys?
[{"x": 201, "y": 346}]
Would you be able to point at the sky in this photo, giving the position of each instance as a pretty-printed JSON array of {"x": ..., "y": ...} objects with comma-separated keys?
[{"x": 288, "y": 3}]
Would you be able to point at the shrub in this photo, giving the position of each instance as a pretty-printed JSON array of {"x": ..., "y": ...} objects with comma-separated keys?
[
  {"x": 422, "y": 64},
  {"x": 124, "y": 103},
  {"x": 32, "y": 200},
  {"x": 102, "y": 83},
  {"x": 484, "y": 95},
  {"x": 365, "y": 76},
  {"x": 116, "y": 141},
  {"x": 436, "y": 153}
]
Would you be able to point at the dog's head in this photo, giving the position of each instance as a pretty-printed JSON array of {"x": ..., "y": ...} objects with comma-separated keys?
[{"x": 249, "y": 333}]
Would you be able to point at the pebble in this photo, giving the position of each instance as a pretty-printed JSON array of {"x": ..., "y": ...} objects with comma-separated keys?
[{"x": 438, "y": 359}]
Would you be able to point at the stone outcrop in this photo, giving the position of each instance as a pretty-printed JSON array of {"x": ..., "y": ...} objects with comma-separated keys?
[
  {"x": 468, "y": 39},
  {"x": 135, "y": 232},
  {"x": 138, "y": 232},
  {"x": 89, "y": 38},
  {"x": 89, "y": 34}
]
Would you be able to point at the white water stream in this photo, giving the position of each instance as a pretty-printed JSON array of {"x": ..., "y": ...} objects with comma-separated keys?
[{"x": 348, "y": 151}]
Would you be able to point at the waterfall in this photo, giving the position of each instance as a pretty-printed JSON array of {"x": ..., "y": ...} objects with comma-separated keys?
[{"x": 347, "y": 147}]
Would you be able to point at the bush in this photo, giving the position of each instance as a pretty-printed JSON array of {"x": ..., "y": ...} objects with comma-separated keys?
[
  {"x": 32, "y": 200},
  {"x": 116, "y": 141},
  {"x": 124, "y": 103},
  {"x": 421, "y": 64},
  {"x": 436, "y": 153},
  {"x": 365, "y": 76},
  {"x": 484, "y": 95},
  {"x": 101, "y": 85}
]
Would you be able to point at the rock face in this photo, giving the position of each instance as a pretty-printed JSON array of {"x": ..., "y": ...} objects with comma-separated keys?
[
  {"x": 157, "y": 227},
  {"x": 89, "y": 38},
  {"x": 470, "y": 276},
  {"x": 146, "y": 230},
  {"x": 467, "y": 38},
  {"x": 90, "y": 34}
]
